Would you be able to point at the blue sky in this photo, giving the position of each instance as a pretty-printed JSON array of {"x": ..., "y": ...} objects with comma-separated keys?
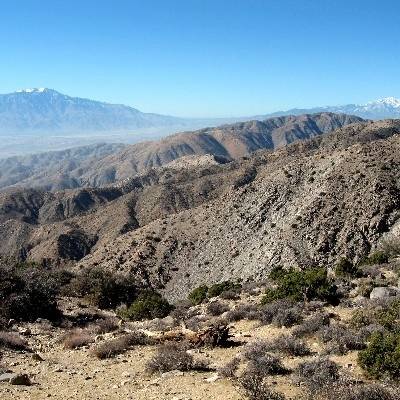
[{"x": 204, "y": 57}]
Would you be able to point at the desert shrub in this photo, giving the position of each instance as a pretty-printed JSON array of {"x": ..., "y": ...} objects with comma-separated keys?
[
  {"x": 367, "y": 331},
  {"x": 357, "y": 392},
  {"x": 382, "y": 355},
  {"x": 104, "y": 289},
  {"x": 311, "y": 325},
  {"x": 313, "y": 306},
  {"x": 254, "y": 349},
  {"x": 120, "y": 345},
  {"x": 378, "y": 257},
  {"x": 159, "y": 325},
  {"x": 195, "y": 323},
  {"x": 244, "y": 311},
  {"x": 374, "y": 272},
  {"x": 391, "y": 246},
  {"x": 173, "y": 356},
  {"x": 218, "y": 288},
  {"x": 253, "y": 387},
  {"x": 229, "y": 295},
  {"x": 345, "y": 268},
  {"x": 265, "y": 365},
  {"x": 270, "y": 310},
  {"x": 317, "y": 373},
  {"x": 148, "y": 305},
  {"x": 385, "y": 313},
  {"x": 198, "y": 295},
  {"x": 288, "y": 317},
  {"x": 28, "y": 292},
  {"x": 76, "y": 339},
  {"x": 365, "y": 286},
  {"x": 362, "y": 317},
  {"x": 12, "y": 341},
  {"x": 230, "y": 368},
  {"x": 252, "y": 288},
  {"x": 341, "y": 339},
  {"x": 182, "y": 311},
  {"x": 388, "y": 315},
  {"x": 216, "y": 308},
  {"x": 309, "y": 284},
  {"x": 288, "y": 345},
  {"x": 104, "y": 325}
]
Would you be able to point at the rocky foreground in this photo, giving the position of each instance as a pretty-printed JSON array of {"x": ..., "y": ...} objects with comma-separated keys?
[{"x": 239, "y": 344}]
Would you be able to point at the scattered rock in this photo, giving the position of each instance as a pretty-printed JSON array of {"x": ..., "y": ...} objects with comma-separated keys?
[
  {"x": 21, "y": 379},
  {"x": 212, "y": 378},
  {"x": 6, "y": 377},
  {"x": 37, "y": 357},
  {"x": 25, "y": 331},
  {"x": 171, "y": 374},
  {"x": 384, "y": 292}
]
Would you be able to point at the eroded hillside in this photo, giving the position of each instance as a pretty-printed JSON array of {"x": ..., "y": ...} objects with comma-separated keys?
[{"x": 308, "y": 203}]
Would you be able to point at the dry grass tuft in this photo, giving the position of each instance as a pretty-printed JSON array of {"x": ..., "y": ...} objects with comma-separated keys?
[{"x": 13, "y": 341}]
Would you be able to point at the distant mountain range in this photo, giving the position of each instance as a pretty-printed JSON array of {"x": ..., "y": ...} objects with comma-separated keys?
[
  {"x": 48, "y": 111},
  {"x": 32, "y": 111},
  {"x": 388, "y": 107},
  {"x": 105, "y": 164},
  {"x": 36, "y": 120}
]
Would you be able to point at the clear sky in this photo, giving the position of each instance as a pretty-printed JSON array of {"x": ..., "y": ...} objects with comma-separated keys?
[{"x": 204, "y": 57}]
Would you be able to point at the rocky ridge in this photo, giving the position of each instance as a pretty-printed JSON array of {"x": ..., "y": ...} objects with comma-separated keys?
[
  {"x": 308, "y": 203},
  {"x": 96, "y": 166}
]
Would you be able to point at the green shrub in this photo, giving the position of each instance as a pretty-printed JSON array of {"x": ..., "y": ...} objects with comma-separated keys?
[
  {"x": 389, "y": 316},
  {"x": 277, "y": 273},
  {"x": 218, "y": 288},
  {"x": 198, "y": 295},
  {"x": 309, "y": 284},
  {"x": 148, "y": 305},
  {"x": 382, "y": 356},
  {"x": 345, "y": 268},
  {"x": 28, "y": 292},
  {"x": 379, "y": 257},
  {"x": 104, "y": 289}
]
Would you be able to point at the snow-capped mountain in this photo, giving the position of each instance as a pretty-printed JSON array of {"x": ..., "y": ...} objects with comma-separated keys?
[
  {"x": 388, "y": 107},
  {"x": 42, "y": 110}
]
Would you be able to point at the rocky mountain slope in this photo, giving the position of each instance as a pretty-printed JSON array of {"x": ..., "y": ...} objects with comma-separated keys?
[
  {"x": 94, "y": 167},
  {"x": 310, "y": 202},
  {"x": 51, "y": 170}
]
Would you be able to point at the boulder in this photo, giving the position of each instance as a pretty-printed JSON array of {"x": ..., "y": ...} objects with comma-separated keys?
[
  {"x": 20, "y": 379},
  {"x": 16, "y": 379},
  {"x": 384, "y": 292}
]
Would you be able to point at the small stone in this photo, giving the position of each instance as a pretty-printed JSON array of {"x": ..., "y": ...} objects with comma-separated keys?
[
  {"x": 37, "y": 357},
  {"x": 6, "y": 377},
  {"x": 384, "y": 292},
  {"x": 171, "y": 374},
  {"x": 212, "y": 378},
  {"x": 21, "y": 379},
  {"x": 25, "y": 331}
]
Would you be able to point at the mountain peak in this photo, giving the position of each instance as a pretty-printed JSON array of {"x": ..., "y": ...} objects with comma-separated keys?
[
  {"x": 34, "y": 90},
  {"x": 391, "y": 101}
]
